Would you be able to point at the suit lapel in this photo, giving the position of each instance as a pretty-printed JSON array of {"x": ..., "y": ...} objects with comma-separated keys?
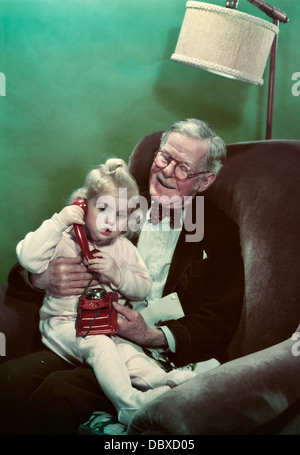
[{"x": 184, "y": 254}]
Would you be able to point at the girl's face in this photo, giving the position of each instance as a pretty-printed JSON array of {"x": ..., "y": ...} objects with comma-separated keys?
[{"x": 106, "y": 218}]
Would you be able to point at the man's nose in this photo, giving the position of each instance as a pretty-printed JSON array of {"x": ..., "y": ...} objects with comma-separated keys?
[{"x": 169, "y": 170}]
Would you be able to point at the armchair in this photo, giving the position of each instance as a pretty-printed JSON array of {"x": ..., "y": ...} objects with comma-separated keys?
[{"x": 258, "y": 390}]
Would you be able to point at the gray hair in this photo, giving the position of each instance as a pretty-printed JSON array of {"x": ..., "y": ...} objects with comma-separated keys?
[{"x": 198, "y": 129}]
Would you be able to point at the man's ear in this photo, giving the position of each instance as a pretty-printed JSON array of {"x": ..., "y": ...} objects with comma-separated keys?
[{"x": 206, "y": 181}]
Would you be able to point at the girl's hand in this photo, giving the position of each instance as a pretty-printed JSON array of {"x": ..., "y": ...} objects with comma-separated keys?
[
  {"x": 104, "y": 264},
  {"x": 72, "y": 214}
]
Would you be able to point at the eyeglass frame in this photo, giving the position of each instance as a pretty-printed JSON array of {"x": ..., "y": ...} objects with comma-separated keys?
[{"x": 177, "y": 162}]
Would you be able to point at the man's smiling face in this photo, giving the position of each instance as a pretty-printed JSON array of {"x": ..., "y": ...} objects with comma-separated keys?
[{"x": 182, "y": 148}]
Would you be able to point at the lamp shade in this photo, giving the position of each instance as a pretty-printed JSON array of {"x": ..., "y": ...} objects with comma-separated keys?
[{"x": 225, "y": 41}]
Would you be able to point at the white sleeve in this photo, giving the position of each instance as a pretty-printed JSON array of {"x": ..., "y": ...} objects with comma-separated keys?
[
  {"x": 170, "y": 337},
  {"x": 135, "y": 279},
  {"x": 36, "y": 250}
]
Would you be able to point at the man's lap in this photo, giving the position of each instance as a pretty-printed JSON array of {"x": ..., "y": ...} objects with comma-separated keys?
[{"x": 48, "y": 395}]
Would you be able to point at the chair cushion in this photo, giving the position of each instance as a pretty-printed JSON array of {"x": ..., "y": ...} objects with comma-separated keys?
[{"x": 243, "y": 396}]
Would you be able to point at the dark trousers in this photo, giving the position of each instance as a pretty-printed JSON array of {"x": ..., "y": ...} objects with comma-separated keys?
[{"x": 42, "y": 394}]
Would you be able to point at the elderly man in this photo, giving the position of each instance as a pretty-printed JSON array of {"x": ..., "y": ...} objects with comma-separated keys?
[{"x": 204, "y": 274}]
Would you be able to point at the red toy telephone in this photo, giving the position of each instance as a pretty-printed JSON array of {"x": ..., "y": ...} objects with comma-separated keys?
[{"x": 96, "y": 314}]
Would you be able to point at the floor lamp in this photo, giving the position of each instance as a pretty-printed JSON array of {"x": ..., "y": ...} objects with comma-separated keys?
[{"x": 231, "y": 43}]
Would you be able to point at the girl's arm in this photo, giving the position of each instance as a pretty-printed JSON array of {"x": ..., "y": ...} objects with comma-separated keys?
[
  {"x": 128, "y": 274},
  {"x": 37, "y": 249},
  {"x": 136, "y": 281}
]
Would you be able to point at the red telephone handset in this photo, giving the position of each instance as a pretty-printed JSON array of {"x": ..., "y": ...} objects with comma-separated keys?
[{"x": 80, "y": 232}]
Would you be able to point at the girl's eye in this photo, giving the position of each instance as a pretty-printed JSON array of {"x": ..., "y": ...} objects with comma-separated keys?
[{"x": 102, "y": 208}]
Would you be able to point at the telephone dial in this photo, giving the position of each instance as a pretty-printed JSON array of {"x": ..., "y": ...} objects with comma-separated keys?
[{"x": 96, "y": 314}]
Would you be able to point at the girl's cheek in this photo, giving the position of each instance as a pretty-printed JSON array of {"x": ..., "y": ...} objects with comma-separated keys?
[{"x": 100, "y": 222}]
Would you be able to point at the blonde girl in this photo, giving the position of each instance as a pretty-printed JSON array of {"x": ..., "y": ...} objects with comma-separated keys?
[{"x": 126, "y": 375}]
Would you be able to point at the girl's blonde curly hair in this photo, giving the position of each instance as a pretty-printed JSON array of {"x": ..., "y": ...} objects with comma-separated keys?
[{"x": 108, "y": 178}]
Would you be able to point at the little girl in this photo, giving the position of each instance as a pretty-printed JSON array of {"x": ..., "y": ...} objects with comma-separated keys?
[{"x": 118, "y": 364}]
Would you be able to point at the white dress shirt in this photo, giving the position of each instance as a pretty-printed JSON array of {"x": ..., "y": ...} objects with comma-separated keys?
[{"x": 156, "y": 246}]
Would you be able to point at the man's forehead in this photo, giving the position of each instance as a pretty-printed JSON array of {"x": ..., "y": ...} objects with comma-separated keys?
[{"x": 188, "y": 147}]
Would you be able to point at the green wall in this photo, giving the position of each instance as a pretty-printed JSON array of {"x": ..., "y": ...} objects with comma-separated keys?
[{"x": 87, "y": 79}]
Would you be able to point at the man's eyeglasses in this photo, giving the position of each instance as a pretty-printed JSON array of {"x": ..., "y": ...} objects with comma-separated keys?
[{"x": 182, "y": 170}]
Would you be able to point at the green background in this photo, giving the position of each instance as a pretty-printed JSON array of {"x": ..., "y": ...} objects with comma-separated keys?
[{"x": 87, "y": 79}]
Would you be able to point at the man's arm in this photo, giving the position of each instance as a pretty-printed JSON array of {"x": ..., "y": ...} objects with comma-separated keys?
[{"x": 64, "y": 276}]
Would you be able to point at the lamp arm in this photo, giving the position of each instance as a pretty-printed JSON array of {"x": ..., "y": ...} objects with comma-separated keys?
[
  {"x": 270, "y": 10},
  {"x": 274, "y": 13}
]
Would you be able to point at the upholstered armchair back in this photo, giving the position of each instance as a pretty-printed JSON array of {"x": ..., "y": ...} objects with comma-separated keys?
[{"x": 259, "y": 187}]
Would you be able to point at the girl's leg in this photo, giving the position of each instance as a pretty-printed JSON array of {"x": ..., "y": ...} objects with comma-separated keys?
[
  {"x": 145, "y": 373},
  {"x": 110, "y": 369},
  {"x": 101, "y": 354}
]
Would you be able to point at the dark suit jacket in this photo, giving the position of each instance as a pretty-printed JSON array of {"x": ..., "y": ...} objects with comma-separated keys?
[{"x": 210, "y": 290}]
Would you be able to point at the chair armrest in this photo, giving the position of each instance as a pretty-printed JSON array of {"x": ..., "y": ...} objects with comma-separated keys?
[
  {"x": 238, "y": 397},
  {"x": 18, "y": 325}
]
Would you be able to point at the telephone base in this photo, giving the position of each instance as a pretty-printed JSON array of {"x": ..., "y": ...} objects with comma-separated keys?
[{"x": 97, "y": 317}]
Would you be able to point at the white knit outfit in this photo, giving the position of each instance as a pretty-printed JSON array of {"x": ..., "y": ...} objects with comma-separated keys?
[{"x": 118, "y": 364}]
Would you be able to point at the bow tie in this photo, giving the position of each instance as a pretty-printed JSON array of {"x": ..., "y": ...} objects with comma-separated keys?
[{"x": 158, "y": 213}]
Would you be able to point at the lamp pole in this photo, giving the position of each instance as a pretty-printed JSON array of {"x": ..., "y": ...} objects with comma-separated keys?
[
  {"x": 271, "y": 89},
  {"x": 278, "y": 16}
]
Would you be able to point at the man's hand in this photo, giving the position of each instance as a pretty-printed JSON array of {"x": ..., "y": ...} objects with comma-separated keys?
[
  {"x": 132, "y": 326},
  {"x": 64, "y": 276}
]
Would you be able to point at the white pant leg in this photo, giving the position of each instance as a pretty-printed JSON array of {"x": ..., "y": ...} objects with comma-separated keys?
[
  {"x": 102, "y": 354},
  {"x": 59, "y": 334},
  {"x": 144, "y": 372}
]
